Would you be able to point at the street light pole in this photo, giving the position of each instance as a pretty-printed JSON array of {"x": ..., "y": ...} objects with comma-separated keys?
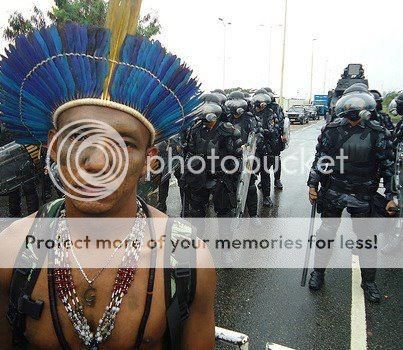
[
  {"x": 283, "y": 58},
  {"x": 225, "y": 24},
  {"x": 270, "y": 37},
  {"x": 270, "y": 50},
  {"x": 325, "y": 78},
  {"x": 310, "y": 87}
]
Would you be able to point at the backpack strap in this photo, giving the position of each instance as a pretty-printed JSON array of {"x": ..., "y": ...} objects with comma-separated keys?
[
  {"x": 180, "y": 279},
  {"x": 23, "y": 280}
]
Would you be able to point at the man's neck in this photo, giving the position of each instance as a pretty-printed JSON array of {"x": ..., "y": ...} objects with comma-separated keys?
[{"x": 125, "y": 208}]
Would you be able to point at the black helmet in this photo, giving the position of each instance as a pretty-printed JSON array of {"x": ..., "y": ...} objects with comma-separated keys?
[
  {"x": 355, "y": 105},
  {"x": 399, "y": 103},
  {"x": 235, "y": 104},
  {"x": 210, "y": 111},
  {"x": 236, "y": 95},
  {"x": 377, "y": 95},
  {"x": 261, "y": 100},
  {"x": 210, "y": 98},
  {"x": 269, "y": 90},
  {"x": 378, "y": 98},
  {"x": 357, "y": 87}
]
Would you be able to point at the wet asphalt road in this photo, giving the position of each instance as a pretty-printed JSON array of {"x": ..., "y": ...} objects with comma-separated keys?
[{"x": 270, "y": 306}]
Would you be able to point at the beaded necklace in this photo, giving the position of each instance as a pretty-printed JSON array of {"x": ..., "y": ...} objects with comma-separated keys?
[{"x": 66, "y": 291}]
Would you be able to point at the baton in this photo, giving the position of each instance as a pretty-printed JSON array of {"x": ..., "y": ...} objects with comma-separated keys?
[{"x": 308, "y": 247}]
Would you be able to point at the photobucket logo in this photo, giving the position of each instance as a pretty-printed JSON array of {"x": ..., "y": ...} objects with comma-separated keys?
[
  {"x": 297, "y": 163},
  {"x": 92, "y": 159}
]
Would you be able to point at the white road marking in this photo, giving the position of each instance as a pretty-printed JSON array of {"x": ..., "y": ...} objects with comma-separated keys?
[
  {"x": 358, "y": 321},
  {"x": 272, "y": 346}
]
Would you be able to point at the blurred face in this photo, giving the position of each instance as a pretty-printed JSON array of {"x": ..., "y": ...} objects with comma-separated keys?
[{"x": 82, "y": 156}]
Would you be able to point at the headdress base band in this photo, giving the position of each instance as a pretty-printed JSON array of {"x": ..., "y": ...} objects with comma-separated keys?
[{"x": 105, "y": 103}]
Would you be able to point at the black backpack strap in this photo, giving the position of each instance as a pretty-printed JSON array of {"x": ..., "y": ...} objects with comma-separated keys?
[
  {"x": 23, "y": 280},
  {"x": 180, "y": 279}
]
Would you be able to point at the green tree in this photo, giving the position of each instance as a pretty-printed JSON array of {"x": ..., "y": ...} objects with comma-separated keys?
[
  {"x": 80, "y": 11},
  {"x": 19, "y": 25}
]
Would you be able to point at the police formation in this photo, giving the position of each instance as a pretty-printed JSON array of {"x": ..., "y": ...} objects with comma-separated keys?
[
  {"x": 373, "y": 149},
  {"x": 224, "y": 129}
]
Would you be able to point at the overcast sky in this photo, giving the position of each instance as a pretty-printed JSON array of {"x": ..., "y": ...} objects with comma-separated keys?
[{"x": 347, "y": 31}]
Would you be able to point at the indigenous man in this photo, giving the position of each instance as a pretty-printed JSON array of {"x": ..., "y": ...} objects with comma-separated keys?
[{"x": 52, "y": 81}]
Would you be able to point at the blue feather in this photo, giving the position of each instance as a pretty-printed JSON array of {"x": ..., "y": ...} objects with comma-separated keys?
[{"x": 75, "y": 75}]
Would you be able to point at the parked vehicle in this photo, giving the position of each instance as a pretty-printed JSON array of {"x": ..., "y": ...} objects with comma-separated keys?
[
  {"x": 312, "y": 112},
  {"x": 298, "y": 114}
]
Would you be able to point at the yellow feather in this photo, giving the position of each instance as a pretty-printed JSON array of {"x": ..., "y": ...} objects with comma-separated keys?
[{"x": 122, "y": 19}]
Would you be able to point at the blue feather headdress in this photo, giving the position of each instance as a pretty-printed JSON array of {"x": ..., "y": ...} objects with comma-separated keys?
[{"x": 53, "y": 69}]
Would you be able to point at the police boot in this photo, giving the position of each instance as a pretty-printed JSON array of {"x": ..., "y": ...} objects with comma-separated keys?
[
  {"x": 267, "y": 202},
  {"x": 317, "y": 280},
  {"x": 278, "y": 184},
  {"x": 371, "y": 292},
  {"x": 369, "y": 286}
]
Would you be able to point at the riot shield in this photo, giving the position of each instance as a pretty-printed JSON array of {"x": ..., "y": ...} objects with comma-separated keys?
[
  {"x": 17, "y": 166},
  {"x": 287, "y": 131},
  {"x": 248, "y": 157},
  {"x": 395, "y": 238},
  {"x": 399, "y": 177}
]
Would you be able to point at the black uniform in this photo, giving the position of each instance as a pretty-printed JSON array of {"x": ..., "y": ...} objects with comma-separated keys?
[
  {"x": 29, "y": 188},
  {"x": 267, "y": 150},
  {"x": 385, "y": 120},
  {"x": 246, "y": 124},
  {"x": 222, "y": 138},
  {"x": 369, "y": 158},
  {"x": 381, "y": 117},
  {"x": 280, "y": 145}
]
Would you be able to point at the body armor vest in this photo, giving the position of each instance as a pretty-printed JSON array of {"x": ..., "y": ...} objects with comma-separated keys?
[
  {"x": 204, "y": 141},
  {"x": 360, "y": 156}
]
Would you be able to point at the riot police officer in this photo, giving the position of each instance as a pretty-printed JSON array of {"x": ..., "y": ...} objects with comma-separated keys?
[
  {"x": 210, "y": 137},
  {"x": 351, "y": 185},
  {"x": 245, "y": 122},
  {"x": 260, "y": 103},
  {"x": 382, "y": 117},
  {"x": 28, "y": 189},
  {"x": 222, "y": 97},
  {"x": 397, "y": 109},
  {"x": 281, "y": 140}
]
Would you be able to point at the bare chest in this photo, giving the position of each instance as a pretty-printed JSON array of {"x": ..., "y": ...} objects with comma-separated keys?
[{"x": 42, "y": 334}]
